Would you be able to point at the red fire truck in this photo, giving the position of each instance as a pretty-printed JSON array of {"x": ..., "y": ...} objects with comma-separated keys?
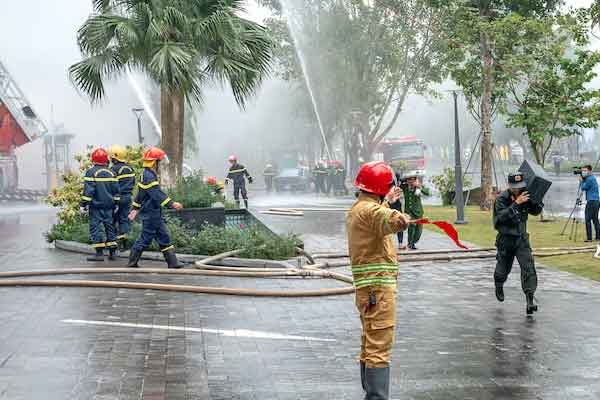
[
  {"x": 18, "y": 125},
  {"x": 404, "y": 154}
]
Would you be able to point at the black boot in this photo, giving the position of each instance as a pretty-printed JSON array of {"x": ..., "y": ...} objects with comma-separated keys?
[
  {"x": 363, "y": 382},
  {"x": 171, "y": 259},
  {"x": 99, "y": 256},
  {"x": 246, "y": 203},
  {"x": 112, "y": 253},
  {"x": 499, "y": 292},
  {"x": 378, "y": 383},
  {"x": 134, "y": 257},
  {"x": 123, "y": 244},
  {"x": 531, "y": 306}
]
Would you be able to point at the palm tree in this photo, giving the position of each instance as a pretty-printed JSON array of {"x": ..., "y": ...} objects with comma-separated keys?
[{"x": 181, "y": 45}]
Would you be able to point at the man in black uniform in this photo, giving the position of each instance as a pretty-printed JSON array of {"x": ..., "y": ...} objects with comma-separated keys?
[
  {"x": 511, "y": 211},
  {"x": 238, "y": 174}
]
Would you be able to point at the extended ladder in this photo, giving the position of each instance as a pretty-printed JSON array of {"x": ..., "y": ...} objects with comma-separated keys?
[{"x": 18, "y": 105}]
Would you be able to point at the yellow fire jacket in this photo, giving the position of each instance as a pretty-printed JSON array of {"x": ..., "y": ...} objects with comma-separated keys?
[{"x": 372, "y": 250}]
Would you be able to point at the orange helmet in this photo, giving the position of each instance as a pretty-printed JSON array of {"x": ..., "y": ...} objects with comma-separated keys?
[
  {"x": 100, "y": 156},
  {"x": 211, "y": 180},
  {"x": 375, "y": 177},
  {"x": 154, "y": 153}
]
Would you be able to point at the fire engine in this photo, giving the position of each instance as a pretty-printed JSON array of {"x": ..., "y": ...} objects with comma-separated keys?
[
  {"x": 404, "y": 154},
  {"x": 19, "y": 125}
]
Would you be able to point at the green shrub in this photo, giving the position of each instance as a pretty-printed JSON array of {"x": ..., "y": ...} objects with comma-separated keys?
[
  {"x": 446, "y": 184},
  {"x": 209, "y": 241},
  {"x": 76, "y": 230},
  {"x": 192, "y": 192}
]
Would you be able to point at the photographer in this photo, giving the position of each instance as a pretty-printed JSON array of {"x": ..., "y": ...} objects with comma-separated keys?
[{"x": 590, "y": 186}]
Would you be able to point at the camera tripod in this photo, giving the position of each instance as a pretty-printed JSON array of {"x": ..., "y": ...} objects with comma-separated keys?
[{"x": 573, "y": 220}]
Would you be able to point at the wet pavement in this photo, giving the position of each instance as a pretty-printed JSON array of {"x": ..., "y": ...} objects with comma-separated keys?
[{"x": 454, "y": 340}]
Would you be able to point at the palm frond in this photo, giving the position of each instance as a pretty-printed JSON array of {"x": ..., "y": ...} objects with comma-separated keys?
[
  {"x": 243, "y": 59},
  {"x": 89, "y": 74}
]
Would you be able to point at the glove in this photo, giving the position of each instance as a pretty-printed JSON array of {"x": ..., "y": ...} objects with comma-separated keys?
[
  {"x": 83, "y": 209},
  {"x": 227, "y": 181},
  {"x": 250, "y": 179}
]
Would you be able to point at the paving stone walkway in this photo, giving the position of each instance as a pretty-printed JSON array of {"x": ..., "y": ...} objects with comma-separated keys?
[{"x": 454, "y": 340}]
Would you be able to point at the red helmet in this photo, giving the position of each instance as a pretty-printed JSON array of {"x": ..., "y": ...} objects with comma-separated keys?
[
  {"x": 232, "y": 158},
  {"x": 100, "y": 156},
  {"x": 154, "y": 153},
  {"x": 375, "y": 177},
  {"x": 211, "y": 180}
]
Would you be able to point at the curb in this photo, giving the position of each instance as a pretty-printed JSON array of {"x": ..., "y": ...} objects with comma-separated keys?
[{"x": 82, "y": 248}]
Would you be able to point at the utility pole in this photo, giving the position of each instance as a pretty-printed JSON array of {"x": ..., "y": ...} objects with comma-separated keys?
[
  {"x": 458, "y": 192},
  {"x": 138, "y": 114}
]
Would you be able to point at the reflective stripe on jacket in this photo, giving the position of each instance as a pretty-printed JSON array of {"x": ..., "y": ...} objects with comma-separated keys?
[
  {"x": 125, "y": 176},
  {"x": 237, "y": 174},
  {"x": 100, "y": 188},
  {"x": 370, "y": 244},
  {"x": 150, "y": 198}
]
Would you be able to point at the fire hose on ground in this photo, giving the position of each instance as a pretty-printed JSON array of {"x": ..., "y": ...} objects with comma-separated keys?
[{"x": 313, "y": 270}]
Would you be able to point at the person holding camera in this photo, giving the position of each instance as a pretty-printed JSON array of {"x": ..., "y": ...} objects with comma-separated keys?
[
  {"x": 413, "y": 190},
  {"x": 511, "y": 211},
  {"x": 589, "y": 185}
]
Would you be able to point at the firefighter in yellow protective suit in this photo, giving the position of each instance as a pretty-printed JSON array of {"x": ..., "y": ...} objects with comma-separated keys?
[{"x": 371, "y": 223}]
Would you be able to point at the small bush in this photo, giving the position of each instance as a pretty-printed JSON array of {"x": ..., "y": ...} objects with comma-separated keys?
[
  {"x": 446, "y": 184},
  {"x": 192, "y": 192},
  {"x": 210, "y": 241}
]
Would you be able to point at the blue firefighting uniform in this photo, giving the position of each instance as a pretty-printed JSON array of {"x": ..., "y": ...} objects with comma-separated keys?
[
  {"x": 101, "y": 195},
  {"x": 238, "y": 173},
  {"x": 150, "y": 200},
  {"x": 126, "y": 178}
]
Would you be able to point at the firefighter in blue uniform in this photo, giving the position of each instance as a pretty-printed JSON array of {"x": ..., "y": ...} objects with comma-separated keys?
[
  {"x": 149, "y": 202},
  {"x": 101, "y": 196},
  {"x": 126, "y": 179},
  {"x": 238, "y": 174}
]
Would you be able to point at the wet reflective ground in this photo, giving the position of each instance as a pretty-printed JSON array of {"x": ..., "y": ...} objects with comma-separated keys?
[{"x": 454, "y": 340}]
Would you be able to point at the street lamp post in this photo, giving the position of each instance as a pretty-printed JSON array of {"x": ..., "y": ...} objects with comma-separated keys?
[
  {"x": 138, "y": 114},
  {"x": 458, "y": 192}
]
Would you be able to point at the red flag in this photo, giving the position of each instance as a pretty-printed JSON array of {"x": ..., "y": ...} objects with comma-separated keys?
[{"x": 447, "y": 227}]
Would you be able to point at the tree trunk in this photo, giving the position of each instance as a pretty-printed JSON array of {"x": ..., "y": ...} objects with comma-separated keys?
[
  {"x": 172, "y": 113},
  {"x": 487, "y": 193}
]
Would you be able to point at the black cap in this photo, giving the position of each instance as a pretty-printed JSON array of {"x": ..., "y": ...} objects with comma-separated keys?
[{"x": 516, "y": 180}]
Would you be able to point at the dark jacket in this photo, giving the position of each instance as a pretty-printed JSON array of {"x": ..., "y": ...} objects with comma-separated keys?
[
  {"x": 100, "y": 188},
  {"x": 510, "y": 218},
  {"x": 150, "y": 198},
  {"x": 125, "y": 176},
  {"x": 237, "y": 173}
]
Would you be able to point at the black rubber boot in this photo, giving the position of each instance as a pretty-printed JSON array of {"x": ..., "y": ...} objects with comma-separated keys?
[
  {"x": 246, "y": 203},
  {"x": 171, "y": 259},
  {"x": 531, "y": 306},
  {"x": 378, "y": 383},
  {"x": 112, "y": 253},
  {"x": 363, "y": 382},
  {"x": 99, "y": 256},
  {"x": 134, "y": 258},
  {"x": 500, "y": 292}
]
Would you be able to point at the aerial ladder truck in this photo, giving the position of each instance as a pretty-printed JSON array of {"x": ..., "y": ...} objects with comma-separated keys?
[{"x": 19, "y": 125}]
